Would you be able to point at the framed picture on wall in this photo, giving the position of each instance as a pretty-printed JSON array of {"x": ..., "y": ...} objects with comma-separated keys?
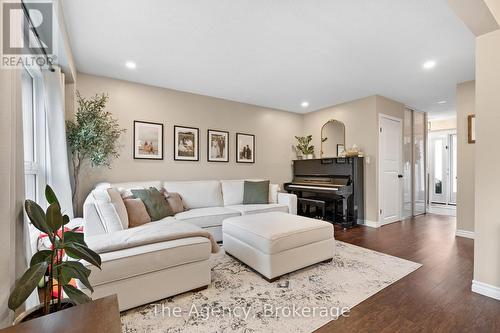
[
  {"x": 186, "y": 143},
  {"x": 217, "y": 146},
  {"x": 148, "y": 140},
  {"x": 245, "y": 148},
  {"x": 340, "y": 149},
  {"x": 471, "y": 128}
]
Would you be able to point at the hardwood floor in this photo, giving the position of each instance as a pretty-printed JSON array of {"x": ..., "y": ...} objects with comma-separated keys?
[{"x": 434, "y": 298}]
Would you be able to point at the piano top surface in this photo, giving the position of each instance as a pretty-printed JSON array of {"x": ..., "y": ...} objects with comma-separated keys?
[{"x": 321, "y": 184}]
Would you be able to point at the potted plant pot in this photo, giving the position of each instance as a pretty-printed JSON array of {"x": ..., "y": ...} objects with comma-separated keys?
[
  {"x": 310, "y": 156},
  {"x": 38, "y": 311},
  {"x": 51, "y": 267}
]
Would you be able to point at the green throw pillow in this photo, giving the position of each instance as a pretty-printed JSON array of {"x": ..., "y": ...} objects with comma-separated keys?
[
  {"x": 256, "y": 192},
  {"x": 155, "y": 202}
]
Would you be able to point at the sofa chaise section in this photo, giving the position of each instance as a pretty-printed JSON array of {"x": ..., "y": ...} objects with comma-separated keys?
[{"x": 144, "y": 274}]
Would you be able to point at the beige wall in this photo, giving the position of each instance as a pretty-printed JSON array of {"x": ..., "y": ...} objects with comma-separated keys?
[
  {"x": 443, "y": 124},
  {"x": 359, "y": 118},
  {"x": 361, "y": 121},
  {"x": 494, "y": 7},
  {"x": 12, "y": 258},
  {"x": 487, "y": 214},
  {"x": 274, "y": 130},
  {"x": 465, "y": 157},
  {"x": 476, "y": 14}
]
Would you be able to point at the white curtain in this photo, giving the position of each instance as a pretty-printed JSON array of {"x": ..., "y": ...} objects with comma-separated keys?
[{"x": 57, "y": 152}]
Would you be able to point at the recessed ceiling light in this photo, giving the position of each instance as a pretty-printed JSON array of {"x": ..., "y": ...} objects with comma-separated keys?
[
  {"x": 442, "y": 102},
  {"x": 130, "y": 64},
  {"x": 304, "y": 104},
  {"x": 429, "y": 64}
]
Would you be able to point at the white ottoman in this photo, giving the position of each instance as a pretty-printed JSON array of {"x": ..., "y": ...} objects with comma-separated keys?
[{"x": 277, "y": 243}]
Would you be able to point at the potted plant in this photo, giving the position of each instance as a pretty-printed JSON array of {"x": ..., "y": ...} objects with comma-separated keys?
[
  {"x": 92, "y": 136},
  {"x": 304, "y": 146},
  {"x": 54, "y": 263}
]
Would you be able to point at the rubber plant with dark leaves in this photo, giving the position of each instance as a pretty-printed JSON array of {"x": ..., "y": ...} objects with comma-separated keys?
[{"x": 60, "y": 263}]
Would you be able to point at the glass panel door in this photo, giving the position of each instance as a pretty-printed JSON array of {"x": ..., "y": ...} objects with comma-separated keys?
[
  {"x": 419, "y": 141},
  {"x": 407, "y": 164}
]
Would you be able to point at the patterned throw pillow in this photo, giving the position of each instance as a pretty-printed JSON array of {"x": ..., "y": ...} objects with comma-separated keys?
[
  {"x": 175, "y": 202},
  {"x": 156, "y": 205}
]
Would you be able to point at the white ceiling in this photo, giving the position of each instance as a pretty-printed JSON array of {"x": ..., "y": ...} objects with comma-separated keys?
[{"x": 281, "y": 52}]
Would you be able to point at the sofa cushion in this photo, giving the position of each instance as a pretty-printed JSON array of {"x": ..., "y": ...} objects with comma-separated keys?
[
  {"x": 121, "y": 210},
  {"x": 197, "y": 194},
  {"x": 277, "y": 232},
  {"x": 107, "y": 211},
  {"x": 273, "y": 193},
  {"x": 125, "y": 188},
  {"x": 155, "y": 202},
  {"x": 232, "y": 192},
  {"x": 207, "y": 217},
  {"x": 139, "y": 260},
  {"x": 256, "y": 192},
  {"x": 137, "y": 213},
  {"x": 259, "y": 208}
]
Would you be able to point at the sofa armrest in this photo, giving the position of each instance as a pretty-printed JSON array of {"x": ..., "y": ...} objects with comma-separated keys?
[{"x": 290, "y": 200}]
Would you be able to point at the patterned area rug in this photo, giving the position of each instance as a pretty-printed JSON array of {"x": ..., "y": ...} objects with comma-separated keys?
[{"x": 239, "y": 300}]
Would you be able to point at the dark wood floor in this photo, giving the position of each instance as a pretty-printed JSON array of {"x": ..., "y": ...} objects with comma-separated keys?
[{"x": 434, "y": 298}]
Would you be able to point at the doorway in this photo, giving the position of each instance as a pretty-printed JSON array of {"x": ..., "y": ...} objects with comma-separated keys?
[
  {"x": 443, "y": 169},
  {"x": 390, "y": 169}
]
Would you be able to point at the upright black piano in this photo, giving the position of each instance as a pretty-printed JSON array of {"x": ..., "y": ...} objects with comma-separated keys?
[{"x": 335, "y": 182}]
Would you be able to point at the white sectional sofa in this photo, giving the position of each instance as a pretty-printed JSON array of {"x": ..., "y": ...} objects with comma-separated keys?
[
  {"x": 156, "y": 270},
  {"x": 208, "y": 203}
]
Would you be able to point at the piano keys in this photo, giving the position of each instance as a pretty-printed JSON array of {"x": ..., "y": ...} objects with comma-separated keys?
[{"x": 333, "y": 180}]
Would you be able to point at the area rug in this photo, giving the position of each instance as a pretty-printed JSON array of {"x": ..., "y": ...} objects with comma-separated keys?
[{"x": 240, "y": 300}]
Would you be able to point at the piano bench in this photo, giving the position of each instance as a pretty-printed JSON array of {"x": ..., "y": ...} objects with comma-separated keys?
[{"x": 309, "y": 203}]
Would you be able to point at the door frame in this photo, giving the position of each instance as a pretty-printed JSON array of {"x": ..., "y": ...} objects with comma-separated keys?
[
  {"x": 379, "y": 165},
  {"x": 449, "y": 162}
]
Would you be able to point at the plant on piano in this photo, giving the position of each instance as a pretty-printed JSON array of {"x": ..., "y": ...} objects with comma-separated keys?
[
  {"x": 52, "y": 265},
  {"x": 304, "y": 144}
]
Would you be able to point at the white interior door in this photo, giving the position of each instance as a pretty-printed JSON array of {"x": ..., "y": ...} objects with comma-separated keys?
[
  {"x": 453, "y": 169},
  {"x": 439, "y": 167},
  {"x": 390, "y": 177}
]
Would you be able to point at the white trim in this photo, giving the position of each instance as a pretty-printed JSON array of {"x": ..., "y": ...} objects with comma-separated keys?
[
  {"x": 485, "y": 289},
  {"x": 375, "y": 224},
  {"x": 442, "y": 209},
  {"x": 368, "y": 223},
  {"x": 464, "y": 233},
  {"x": 445, "y": 131},
  {"x": 399, "y": 218},
  {"x": 390, "y": 222}
]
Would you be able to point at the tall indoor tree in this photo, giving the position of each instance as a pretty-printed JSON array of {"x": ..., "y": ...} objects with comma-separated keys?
[{"x": 93, "y": 136}]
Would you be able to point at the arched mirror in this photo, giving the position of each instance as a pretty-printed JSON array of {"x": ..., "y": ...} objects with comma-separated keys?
[{"x": 332, "y": 138}]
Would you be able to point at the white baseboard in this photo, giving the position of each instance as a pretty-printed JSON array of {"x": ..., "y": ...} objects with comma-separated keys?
[
  {"x": 464, "y": 233},
  {"x": 368, "y": 223},
  {"x": 486, "y": 289}
]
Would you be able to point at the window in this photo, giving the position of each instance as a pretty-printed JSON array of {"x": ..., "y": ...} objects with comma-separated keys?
[{"x": 33, "y": 136}]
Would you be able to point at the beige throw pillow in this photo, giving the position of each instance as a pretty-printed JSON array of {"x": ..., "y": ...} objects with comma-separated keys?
[
  {"x": 175, "y": 202},
  {"x": 121, "y": 210},
  {"x": 137, "y": 213}
]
